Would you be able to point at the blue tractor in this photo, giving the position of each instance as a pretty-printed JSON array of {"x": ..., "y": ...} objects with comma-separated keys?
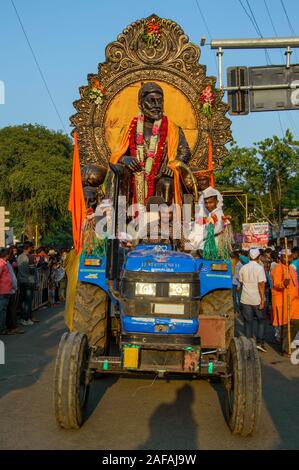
[
  {"x": 153, "y": 309},
  {"x": 166, "y": 313}
]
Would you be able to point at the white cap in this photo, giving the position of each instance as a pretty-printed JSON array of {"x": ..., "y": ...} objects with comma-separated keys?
[
  {"x": 254, "y": 253},
  {"x": 209, "y": 192},
  {"x": 284, "y": 252}
]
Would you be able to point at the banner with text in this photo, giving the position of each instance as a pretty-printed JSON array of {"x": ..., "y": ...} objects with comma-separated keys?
[{"x": 255, "y": 235}]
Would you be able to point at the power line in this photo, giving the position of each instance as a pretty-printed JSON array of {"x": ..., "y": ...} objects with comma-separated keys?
[
  {"x": 38, "y": 67},
  {"x": 255, "y": 25},
  {"x": 288, "y": 19},
  {"x": 280, "y": 123},
  {"x": 273, "y": 27},
  {"x": 240, "y": 1},
  {"x": 206, "y": 26},
  {"x": 290, "y": 24},
  {"x": 203, "y": 19},
  {"x": 270, "y": 63},
  {"x": 259, "y": 31},
  {"x": 253, "y": 17},
  {"x": 289, "y": 116}
]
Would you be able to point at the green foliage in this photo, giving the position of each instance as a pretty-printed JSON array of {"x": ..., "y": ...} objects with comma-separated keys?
[
  {"x": 268, "y": 173},
  {"x": 35, "y": 174}
]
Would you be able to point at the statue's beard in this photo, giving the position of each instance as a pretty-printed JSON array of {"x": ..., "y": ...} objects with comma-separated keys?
[{"x": 153, "y": 115}]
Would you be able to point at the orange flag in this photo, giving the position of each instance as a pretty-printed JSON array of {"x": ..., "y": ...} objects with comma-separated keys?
[{"x": 76, "y": 202}]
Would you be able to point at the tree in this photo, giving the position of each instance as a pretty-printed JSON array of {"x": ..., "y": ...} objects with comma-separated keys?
[
  {"x": 268, "y": 173},
  {"x": 35, "y": 174}
]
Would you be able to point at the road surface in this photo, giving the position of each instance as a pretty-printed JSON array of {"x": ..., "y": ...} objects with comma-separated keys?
[{"x": 134, "y": 413}]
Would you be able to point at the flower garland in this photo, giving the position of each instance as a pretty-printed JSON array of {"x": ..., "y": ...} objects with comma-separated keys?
[
  {"x": 152, "y": 33},
  {"x": 207, "y": 99},
  {"x": 150, "y": 160},
  {"x": 95, "y": 92}
]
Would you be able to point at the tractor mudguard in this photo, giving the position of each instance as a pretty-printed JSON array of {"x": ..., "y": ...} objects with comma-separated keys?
[
  {"x": 216, "y": 274},
  {"x": 93, "y": 271}
]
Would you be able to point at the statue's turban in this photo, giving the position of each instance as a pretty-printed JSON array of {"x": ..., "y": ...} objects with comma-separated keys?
[{"x": 147, "y": 88}]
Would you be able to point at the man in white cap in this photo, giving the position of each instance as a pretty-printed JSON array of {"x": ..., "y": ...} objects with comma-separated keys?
[
  {"x": 209, "y": 211},
  {"x": 252, "y": 277}
]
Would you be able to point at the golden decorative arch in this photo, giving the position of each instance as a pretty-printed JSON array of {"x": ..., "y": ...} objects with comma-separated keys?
[{"x": 151, "y": 49}]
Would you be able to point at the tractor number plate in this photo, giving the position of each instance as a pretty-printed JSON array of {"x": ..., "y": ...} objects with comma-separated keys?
[{"x": 170, "y": 309}]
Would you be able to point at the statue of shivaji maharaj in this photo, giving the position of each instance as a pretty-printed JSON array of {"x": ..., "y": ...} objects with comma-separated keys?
[{"x": 152, "y": 150}]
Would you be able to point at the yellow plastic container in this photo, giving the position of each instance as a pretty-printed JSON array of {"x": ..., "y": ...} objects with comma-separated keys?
[{"x": 131, "y": 357}]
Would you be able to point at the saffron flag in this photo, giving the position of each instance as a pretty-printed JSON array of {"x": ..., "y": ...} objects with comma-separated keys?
[{"x": 76, "y": 202}]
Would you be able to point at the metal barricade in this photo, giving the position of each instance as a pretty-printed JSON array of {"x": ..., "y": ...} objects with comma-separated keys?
[{"x": 41, "y": 295}]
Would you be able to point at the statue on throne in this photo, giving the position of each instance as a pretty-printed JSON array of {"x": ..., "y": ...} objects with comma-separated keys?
[{"x": 151, "y": 151}]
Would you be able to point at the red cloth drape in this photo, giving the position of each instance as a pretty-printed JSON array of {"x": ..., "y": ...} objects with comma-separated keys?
[{"x": 76, "y": 202}]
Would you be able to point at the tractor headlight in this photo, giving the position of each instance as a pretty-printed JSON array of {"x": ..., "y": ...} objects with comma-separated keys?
[
  {"x": 176, "y": 289},
  {"x": 145, "y": 288}
]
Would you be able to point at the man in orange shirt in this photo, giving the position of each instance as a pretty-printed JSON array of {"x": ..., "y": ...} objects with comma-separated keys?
[{"x": 284, "y": 286}]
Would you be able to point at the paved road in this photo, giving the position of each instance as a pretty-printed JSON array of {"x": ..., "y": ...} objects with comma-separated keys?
[{"x": 134, "y": 413}]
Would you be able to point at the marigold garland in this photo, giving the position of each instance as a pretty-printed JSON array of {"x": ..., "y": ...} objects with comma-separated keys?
[
  {"x": 152, "y": 33},
  {"x": 95, "y": 91}
]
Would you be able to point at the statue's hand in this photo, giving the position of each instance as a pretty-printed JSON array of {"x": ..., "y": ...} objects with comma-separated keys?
[
  {"x": 131, "y": 163},
  {"x": 168, "y": 172}
]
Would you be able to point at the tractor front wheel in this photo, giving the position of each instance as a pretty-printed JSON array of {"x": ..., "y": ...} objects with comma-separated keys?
[
  {"x": 243, "y": 386},
  {"x": 71, "y": 385}
]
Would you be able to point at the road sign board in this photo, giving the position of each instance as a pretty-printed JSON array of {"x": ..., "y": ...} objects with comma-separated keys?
[
  {"x": 282, "y": 93},
  {"x": 266, "y": 88}
]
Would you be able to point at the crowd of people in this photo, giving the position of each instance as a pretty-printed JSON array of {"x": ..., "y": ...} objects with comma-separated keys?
[
  {"x": 23, "y": 271},
  {"x": 265, "y": 286}
]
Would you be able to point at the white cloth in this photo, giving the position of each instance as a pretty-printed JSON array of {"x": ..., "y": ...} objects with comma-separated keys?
[
  {"x": 250, "y": 275},
  {"x": 218, "y": 225},
  {"x": 198, "y": 233}
]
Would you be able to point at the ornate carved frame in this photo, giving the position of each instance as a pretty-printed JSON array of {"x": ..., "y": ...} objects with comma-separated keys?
[{"x": 130, "y": 59}]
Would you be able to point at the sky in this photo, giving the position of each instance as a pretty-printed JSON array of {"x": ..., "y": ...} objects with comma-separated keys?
[{"x": 69, "y": 37}]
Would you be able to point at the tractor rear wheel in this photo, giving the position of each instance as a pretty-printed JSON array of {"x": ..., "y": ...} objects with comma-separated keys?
[
  {"x": 243, "y": 386},
  {"x": 71, "y": 386},
  {"x": 91, "y": 314}
]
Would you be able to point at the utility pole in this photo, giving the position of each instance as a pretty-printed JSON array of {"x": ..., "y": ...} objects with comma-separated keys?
[{"x": 3, "y": 228}]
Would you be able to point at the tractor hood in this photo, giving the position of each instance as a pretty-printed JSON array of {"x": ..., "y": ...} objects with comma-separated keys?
[{"x": 156, "y": 260}]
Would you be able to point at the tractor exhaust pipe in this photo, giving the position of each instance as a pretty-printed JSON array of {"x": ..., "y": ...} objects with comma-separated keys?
[{"x": 113, "y": 241}]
